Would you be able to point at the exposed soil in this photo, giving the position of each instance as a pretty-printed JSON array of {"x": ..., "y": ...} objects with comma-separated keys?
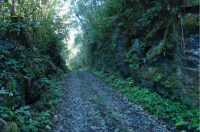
[{"x": 89, "y": 105}]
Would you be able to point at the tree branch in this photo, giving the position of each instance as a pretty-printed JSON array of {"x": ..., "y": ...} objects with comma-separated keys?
[{"x": 82, "y": 23}]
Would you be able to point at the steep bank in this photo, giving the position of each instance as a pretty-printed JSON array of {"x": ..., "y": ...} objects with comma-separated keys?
[
  {"x": 155, "y": 43},
  {"x": 25, "y": 71},
  {"x": 30, "y": 62}
]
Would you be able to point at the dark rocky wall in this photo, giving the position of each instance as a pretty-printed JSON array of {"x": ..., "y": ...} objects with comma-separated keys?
[
  {"x": 23, "y": 68},
  {"x": 167, "y": 63}
]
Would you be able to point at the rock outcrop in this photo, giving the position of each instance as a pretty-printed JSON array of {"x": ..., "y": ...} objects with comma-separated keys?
[
  {"x": 23, "y": 69},
  {"x": 165, "y": 60}
]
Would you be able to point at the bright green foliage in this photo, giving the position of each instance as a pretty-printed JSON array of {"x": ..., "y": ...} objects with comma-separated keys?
[{"x": 171, "y": 112}]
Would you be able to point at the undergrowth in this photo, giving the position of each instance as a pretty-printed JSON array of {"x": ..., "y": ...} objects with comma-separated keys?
[
  {"x": 181, "y": 117},
  {"x": 36, "y": 117}
]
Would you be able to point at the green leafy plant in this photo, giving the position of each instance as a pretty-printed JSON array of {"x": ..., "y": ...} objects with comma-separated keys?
[{"x": 173, "y": 112}]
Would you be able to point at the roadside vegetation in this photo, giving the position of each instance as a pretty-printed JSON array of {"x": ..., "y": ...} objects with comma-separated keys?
[{"x": 180, "y": 117}]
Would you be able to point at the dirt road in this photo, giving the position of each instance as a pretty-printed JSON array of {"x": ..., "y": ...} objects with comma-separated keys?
[{"x": 90, "y": 105}]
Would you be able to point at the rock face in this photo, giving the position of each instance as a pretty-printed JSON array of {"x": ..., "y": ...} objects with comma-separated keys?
[
  {"x": 23, "y": 69},
  {"x": 167, "y": 63}
]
